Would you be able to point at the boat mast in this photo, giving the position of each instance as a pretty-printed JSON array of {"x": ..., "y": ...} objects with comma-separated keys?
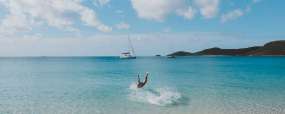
[{"x": 132, "y": 48}]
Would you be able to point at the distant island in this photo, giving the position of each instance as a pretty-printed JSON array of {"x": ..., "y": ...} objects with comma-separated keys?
[{"x": 271, "y": 48}]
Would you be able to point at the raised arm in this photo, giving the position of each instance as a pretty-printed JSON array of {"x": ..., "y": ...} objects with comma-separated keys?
[
  {"x": 146, "y": 78},
  {"x": 139, "y": 78}
]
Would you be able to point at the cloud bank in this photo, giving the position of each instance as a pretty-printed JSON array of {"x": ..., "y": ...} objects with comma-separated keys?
[
  {"x": 26, "y": 14},
  {"x": 158, "y": 10}
]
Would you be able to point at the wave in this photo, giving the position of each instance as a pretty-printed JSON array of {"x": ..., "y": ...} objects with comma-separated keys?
[{"x": 158, "y": 96}]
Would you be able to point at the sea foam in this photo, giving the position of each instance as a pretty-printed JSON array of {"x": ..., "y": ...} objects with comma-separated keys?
[{"x": 158, "y": 96}]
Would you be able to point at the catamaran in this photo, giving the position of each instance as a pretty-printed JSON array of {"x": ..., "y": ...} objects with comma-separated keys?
[{"x": 129, "y": 54}]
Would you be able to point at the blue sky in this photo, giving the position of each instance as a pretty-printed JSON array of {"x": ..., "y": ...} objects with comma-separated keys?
[{"x": 100, "y": 27}]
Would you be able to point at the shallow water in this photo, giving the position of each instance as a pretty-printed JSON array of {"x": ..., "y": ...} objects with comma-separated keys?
[{"x": 105, "y": 85}]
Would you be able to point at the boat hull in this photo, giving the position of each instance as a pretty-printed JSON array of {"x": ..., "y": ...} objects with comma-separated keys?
[{"x": 128, "y": 57}]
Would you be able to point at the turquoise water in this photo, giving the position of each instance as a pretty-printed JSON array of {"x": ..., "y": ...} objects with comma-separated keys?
[{"x": 105, "y": 85}]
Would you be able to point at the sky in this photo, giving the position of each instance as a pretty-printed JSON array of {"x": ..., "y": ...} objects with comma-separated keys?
[{"x": 101, "y": 27}]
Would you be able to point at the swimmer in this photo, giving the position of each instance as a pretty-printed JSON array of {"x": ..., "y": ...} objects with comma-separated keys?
[{"x": 142, "y": 84}]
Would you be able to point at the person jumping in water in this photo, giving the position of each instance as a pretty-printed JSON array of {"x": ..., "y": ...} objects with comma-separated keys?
[{"x": 141, "y": 84}]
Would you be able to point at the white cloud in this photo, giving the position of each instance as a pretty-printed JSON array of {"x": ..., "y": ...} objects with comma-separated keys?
[
  {"x": 13, "y": 23},
  {"x": 119, "y": 11},
  {"x": 90, "y": 19},
  {"x": 123, "y": 25},
  {"x": 250, "y": 5},
  {"x": 101, "y": 2},
  {"x": 232, "y": 15},
  {"x": 155, "y": 9},
  {"x": 236, "y": 13},
  {"x": 158, "y": 10},
  {"x": 208, "y": 8},
  {"x": 25, "y": 14},
  {"x": 187, "y": 13}
]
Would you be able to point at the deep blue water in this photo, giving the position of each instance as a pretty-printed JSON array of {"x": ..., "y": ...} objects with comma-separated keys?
[{"x": 105, "y": 85}]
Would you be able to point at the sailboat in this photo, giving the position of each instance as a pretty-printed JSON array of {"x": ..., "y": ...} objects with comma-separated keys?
[{"x": 129, "y": 54}]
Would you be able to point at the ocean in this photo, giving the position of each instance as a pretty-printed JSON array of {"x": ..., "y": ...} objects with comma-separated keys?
[{"x": 106, "y": 85}]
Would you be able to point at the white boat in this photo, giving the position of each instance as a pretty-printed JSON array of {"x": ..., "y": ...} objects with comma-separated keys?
[
  {"x": 170, "y": 56},
  {"x": 129, "y": 54}
]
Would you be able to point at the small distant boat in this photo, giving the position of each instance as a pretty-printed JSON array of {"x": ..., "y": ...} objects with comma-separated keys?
[
  {"x": 129, "y": 54},
  {"x": 170, "y": 56}
]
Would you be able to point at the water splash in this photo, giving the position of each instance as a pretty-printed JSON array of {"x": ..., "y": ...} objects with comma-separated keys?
[{"x": 158, "y": 96}]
